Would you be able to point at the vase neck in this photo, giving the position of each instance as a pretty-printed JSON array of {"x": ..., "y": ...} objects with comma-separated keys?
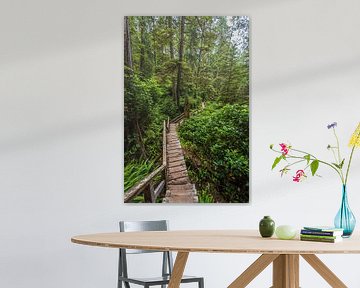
[
  {"x": 344, "y": 188},
  {"x": 344, "y": 194}
]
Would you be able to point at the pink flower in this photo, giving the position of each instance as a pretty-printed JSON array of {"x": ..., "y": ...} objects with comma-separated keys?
[
  {"x": 284, "y": 148},
  {"x": 300, "y": 174}
]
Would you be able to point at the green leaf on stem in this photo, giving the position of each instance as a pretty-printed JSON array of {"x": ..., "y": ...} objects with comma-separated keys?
[
  {"x": 307, "y": 157},
  {"x": 339, "y": 166},
  {"x": 276, "y": 161},
  {"x": 284, "y": 170},
  {"x": 314, "y": 166},
  {"x": 336, "y": 165},
  {"x": 342, "y": 163},
  {"x": 271, "y": 146}
]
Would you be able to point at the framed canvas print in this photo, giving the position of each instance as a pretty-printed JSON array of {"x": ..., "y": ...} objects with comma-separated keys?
[{"x": 186, "y": 103}]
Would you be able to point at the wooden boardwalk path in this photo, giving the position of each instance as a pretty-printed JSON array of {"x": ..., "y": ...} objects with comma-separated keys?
[{"x": 179, "y": 188}]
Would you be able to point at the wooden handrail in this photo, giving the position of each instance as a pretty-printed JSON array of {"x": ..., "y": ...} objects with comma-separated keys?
[
  {"x": 177, "y": 118},
  {"x": 164, "y": 144},
  {"x": 140, "y": 187},
  {"x": 146, "y": 185}
]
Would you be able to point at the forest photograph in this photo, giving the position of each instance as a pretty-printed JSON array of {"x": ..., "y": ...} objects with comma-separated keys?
[{"x": 186, "y": 109}]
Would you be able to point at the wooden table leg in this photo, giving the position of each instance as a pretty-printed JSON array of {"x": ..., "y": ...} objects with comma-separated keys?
[
  {"x": 324, "y": 271},
  {"x": 253, "y": 270},
  {"x": 178, "y": 269},
  {"x": 286, "y": 271},
  {"x": 293, "y": 264}
]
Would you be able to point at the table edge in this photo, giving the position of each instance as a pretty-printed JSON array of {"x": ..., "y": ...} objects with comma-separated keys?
[{"x": 203, "y": 250}]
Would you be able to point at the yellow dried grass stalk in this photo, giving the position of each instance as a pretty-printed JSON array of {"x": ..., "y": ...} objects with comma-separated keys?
[{"x": 355, "y": 137}]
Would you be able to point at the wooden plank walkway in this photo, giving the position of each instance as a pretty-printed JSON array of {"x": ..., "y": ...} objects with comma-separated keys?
[{"x": 179, "y": 188}]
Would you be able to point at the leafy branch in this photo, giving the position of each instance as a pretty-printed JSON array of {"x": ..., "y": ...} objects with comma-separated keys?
[{"x": 295, "y": 156}]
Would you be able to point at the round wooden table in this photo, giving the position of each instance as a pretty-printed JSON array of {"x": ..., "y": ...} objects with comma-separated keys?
[{"x": 284, "y": 254}]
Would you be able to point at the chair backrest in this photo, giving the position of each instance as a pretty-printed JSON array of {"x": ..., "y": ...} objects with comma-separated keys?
[{"x": 134, "y": 226}]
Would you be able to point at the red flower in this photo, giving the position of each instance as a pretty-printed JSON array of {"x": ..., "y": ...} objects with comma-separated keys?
[
  {"x": 300, "y": 174},
  {"x": 284, "y": 148}
]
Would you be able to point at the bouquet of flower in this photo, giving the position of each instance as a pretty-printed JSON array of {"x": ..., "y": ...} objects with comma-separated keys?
[{"x": 292, "y": 156}]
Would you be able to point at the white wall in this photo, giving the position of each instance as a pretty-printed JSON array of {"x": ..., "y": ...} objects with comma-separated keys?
[{"x": 61, "y": 133}]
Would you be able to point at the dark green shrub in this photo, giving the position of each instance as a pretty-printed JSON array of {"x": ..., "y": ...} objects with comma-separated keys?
[{"x": 216, "y": 141}]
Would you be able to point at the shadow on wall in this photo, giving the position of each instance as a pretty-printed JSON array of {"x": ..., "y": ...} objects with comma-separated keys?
[
  {"x": 56, "y": 134},
  {"x": 309, "y": 75}
]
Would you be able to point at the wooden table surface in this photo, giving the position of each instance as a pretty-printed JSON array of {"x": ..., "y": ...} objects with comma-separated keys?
[{"x": 221, "y": 241}]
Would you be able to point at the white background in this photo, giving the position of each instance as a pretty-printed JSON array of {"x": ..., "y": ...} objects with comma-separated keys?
[{"x": 61, "y": 133}]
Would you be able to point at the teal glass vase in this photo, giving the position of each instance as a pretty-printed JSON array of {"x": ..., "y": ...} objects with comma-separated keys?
[{"x": 345, "y": 219}]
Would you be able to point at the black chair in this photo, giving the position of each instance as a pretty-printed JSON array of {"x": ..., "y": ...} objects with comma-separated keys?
[{"x": 167, "y": 265}]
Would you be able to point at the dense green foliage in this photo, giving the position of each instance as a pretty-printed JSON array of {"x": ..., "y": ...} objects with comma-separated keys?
[
  {"x": 175, "y": 64},
  {"x": 216, "y": 140},
  {"x": 146, "y": 108},
  {"x": 135, "y": 171}
]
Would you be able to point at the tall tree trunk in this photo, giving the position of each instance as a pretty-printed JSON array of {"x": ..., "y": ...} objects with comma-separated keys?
[
  {"x": 171, "y": 46},
  {"x": 231, "y": 65},
  {"x": 127, "y": 44},
  {"x": 201, "y": 47},
  {"x": 230, "y": 58},
  {"x": 181, "y": 51},
  {"x": 154, "y": 46},
  {"x": 198, "y": 68},
  {"x": 142, "y": 45},
  {"x": 171, "y": 36},
  {"x": 128, "y": 71}
]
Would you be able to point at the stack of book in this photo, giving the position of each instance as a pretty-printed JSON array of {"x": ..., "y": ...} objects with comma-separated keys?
[{"x": 321, "y": 234}]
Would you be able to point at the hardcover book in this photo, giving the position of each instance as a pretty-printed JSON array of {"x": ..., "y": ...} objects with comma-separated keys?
[
  {"x": 325, "y": 240},
  {"x": 321, "y": 233},
  {"x": 323, "y": 228},
  {"x": 320, "y": 237}
]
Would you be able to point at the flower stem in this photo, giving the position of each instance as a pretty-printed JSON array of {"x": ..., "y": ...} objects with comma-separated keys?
[
  {"x": 323, "y": 162},
  {"x": 339, "y": 156},
  {"x": 338, "y": 171},
  {"x": 348, "y": 168},
  {"x": 333, "y": 152},
  {"x": 312, "y": 159},
  {"x": 350, "y": 159},
  {"x": 338, "y": 146},
  {"x": 304, "y": 152},
  {"x": 296, "y": 162}
]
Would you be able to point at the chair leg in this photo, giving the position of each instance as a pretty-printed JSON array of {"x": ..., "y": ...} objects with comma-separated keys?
[
  {"x": 201, "y": 283},
  {"x": 120, "y": 273},
  {"x": 164, "y": 266},
  {"x": 126, "y": 284}
]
